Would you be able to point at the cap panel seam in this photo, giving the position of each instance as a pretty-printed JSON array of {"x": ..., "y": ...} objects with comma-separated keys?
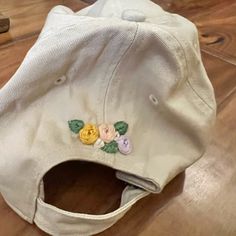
[
  {"x": 114, "y": 72},
  {"x": 186, "y": 65},
  {"x": 187, "y": 77}
]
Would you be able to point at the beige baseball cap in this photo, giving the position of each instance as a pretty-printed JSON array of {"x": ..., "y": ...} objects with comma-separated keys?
[{"x": 120, "y": 83}]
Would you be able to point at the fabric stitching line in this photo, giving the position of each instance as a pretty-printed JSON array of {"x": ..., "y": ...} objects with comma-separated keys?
[
  {"x": 176, "y": 80},
  {"x": 18, "y": 211},
  {"x": 172, "y": 55},
  {"x": 173, "y": 36},
  {"x": 193, "y": 89},
  {"x": 132, "y": 202},
  {"x": 106, "y": 216},
  {"x": 73, "y": 26},
  {"x": 30, "y": 150},
  {"x": 114, "y": 71},
  {"x": 42, "y": 226}
]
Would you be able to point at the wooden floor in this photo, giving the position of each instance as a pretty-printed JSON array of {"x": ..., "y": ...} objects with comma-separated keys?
[{"x": 199, "y": 202}]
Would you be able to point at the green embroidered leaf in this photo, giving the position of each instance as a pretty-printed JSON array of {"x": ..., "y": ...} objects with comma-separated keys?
[
  {"x": 111, "y": 147},
  {"x": 76, "y": 125},
  {"x": 121, "y": 127}
]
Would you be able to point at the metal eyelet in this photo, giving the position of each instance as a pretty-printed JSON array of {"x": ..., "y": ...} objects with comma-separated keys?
[
  {"x": 153, "y": 99},
  {"x": 60, "y": 80}
]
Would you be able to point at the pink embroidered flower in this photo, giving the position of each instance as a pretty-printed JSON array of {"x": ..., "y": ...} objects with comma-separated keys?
[
  {"x": 124, "y": 145},
  {"x": 107, "y": 132}
]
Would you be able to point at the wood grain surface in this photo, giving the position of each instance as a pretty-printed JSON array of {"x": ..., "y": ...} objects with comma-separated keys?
[{"x": 199, "y": 202}]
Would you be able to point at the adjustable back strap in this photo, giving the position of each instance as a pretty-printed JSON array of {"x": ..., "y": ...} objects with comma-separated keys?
[{"x": 59, "y": 222}]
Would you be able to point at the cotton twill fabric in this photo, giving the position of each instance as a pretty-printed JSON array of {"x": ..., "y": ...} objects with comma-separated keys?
[
  {"x": 59, "y": 222},
  {"x": 111, "y": 68}
]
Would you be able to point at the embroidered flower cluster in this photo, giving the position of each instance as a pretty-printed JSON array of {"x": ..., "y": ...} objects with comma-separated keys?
[{"x": 109, "y": 138}]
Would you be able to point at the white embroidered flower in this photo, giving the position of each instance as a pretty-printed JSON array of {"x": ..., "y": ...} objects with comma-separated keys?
[{"x": 99, "y": 143}]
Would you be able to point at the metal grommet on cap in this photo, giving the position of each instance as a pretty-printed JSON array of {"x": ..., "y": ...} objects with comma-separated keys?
[
  {"x": 60, "y": 80},
  {"x": 133, "y": 15}
]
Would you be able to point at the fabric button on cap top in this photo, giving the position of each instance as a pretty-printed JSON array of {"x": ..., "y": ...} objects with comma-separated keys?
[{"x": 133, "y": 15}]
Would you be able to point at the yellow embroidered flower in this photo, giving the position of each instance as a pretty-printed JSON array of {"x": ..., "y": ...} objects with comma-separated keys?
[{"x": 89, "y": 134}]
